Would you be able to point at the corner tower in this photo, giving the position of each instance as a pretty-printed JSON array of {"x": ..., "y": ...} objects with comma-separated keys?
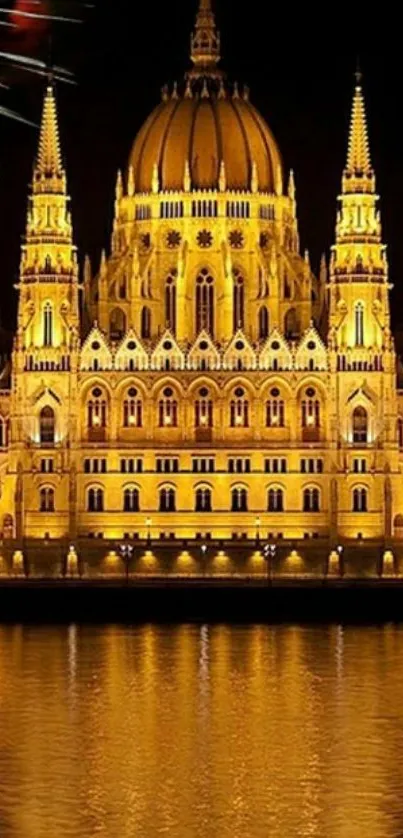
[
  {"x": 361, "y": 350},
  {"x": 48, "y": 312},
  {"x": 359, "y": 302},
  {"x": 45, "y": 354}
]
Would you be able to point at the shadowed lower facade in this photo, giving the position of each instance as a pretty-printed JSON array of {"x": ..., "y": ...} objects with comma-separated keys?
[{"x": 203, "y": 382}]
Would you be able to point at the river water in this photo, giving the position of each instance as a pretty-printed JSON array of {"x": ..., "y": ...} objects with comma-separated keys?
[{"x": 201, "y": 731}]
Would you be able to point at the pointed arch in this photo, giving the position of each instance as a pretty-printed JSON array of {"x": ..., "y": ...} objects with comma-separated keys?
[
  {"x": 263, "y": 323},
  {"x": 205, "y": 303},
  {"x": 145, "y": 326},
  {"x": 359, "y": 324},
  {"x": 47, "y": 426},
  {"x": 360, "y": 425},
  {"x": 47, "y": 324},
  {"x": 46, "y": 499},
  {"x": 170, "y": 300},
  {"x": 117, "y": 324},
  {"x": 238, "y": 300}
]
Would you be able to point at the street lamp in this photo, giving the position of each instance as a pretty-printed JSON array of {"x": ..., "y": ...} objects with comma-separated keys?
[
  {"x": 340, "y": 550},
  {"x": 257, "y": 524},
  {"x": 269, "y": 555},
  {"x": 126, "y": 551}
]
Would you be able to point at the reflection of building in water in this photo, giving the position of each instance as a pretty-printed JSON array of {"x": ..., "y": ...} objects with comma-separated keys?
[{"x": 209, "y": 378}]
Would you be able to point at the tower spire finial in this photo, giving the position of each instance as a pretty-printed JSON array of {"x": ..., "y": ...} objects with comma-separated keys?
[
  {"x": 205, "y": 41},
  {"x": 49, "y": 171},
  {"x": 358, "y": 174}
]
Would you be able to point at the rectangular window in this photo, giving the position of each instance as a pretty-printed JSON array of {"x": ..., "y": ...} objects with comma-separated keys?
[
  {"x": 311, "y": 466},
  {"x": 167, "y": 466},
  {"x": 359, "y": 466},
  {"x": 239, "y": 465},
  {"x": 203, "y": 465},
  {"x": 47, "y": 466},
  {"x": 131, "y": 466},
  {"x": 275, "y": 465}
]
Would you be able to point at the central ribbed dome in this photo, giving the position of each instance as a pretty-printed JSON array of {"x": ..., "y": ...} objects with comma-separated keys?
[
  {"x": 204, "y": 128},
  {"x": 205, "y": 132}
]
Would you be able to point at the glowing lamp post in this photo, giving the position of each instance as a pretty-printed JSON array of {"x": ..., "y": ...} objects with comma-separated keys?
[
  {"x": 126, "y": 551},
  {"x": 257, "y": 524},
  {"x": 269, "y": 555}
]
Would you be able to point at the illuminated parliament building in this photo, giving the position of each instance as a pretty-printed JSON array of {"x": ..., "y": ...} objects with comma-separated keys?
[{"x": 203, "y": 383}]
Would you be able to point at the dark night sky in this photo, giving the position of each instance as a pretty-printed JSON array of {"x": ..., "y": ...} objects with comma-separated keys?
[{"x": 299, "y": 66}]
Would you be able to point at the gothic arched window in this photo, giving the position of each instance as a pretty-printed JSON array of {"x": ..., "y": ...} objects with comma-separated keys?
[
  {"x": 239, "y": 409},
  {"x": 47, "y": 424},
  {"x": 275, "y": 500},
  {"x": 311, "y": 500},
  {"x": 131, "y": 500},
  {"x": 360, "y": 500},
  {"x": 132, "y": 409},
  {"x": 238, "y": 301},
  {"x": 203, "y": 409},
  {"x": 205, "y": 302},
  {"x": 117, "y": 324},
  {"x": 275, "y": 415},
  {"x": 239, "y": 500},
  {"x": 168, "y": 409},
  {"x": 47, "y": 324},
  {"x": 400, "y": 432},
  {"x": 291, "y": 324},
  {"x": 47, "y": 499},
  {"x": 95, "y": 500},
  {"x": 203, "y": 500},
  {"x": 263, "y": 323},
  {"x": 97, "y": 414},
  {"x": 360, "y": 425},
  {"x": 145, "y": 323},
  {"x": 167, "y": 500},
  {"x": 3, "y": 433},
  {"x": 170, "y": 300},
  {"x": 310, "y": 409},
  {"x": 359, "y": 324}
]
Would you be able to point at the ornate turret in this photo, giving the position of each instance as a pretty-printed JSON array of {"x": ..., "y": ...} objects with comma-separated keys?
[
  {"x": 358, "y": 269},
  {"x": 48, "y": 254}
]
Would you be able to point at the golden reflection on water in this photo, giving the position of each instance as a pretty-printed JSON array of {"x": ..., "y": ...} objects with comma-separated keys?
[{"x": 201, "y": 732}]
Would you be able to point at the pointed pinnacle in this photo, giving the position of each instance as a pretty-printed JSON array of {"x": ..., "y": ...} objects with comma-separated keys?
[
  {"x": 291, "y": 185},
  {"x": 49, "y": 162},
  {"x": 358, "y": 158}
]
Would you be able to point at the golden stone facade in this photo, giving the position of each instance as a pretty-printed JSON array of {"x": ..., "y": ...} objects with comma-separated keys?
[{"x": 204, "y": 382}]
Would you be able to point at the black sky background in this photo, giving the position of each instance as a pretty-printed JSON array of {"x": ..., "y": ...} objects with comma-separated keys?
[{"x": 299, "y": 64}]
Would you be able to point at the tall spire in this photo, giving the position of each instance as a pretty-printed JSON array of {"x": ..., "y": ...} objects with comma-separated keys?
[
  {"x": 49, "y": 175},
  {"x": 205, "y": 41},
  {"x": 358, "y": 174}
]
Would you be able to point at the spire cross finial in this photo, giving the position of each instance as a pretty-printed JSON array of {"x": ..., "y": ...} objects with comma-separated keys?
[{"x": 358, "y": 73}]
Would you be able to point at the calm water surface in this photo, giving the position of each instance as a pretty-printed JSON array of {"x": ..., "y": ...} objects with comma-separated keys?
[{"x": 201, "y": 731}]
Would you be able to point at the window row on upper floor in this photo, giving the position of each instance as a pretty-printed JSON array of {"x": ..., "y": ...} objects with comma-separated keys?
[
  {"x": 203, "y": 499},
  {"x": 172, "y": 465},
  {"x": 205, "y": 414}
]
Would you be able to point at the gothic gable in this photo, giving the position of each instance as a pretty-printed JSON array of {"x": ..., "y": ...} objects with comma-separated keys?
[
  {"x": 95, "y": 353},
  {"x": 276, "y": 353},
  {"x": 131, "y": 354},
  {"x": 167, "y": 354},
  {"x": 311, "y": 352}
]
